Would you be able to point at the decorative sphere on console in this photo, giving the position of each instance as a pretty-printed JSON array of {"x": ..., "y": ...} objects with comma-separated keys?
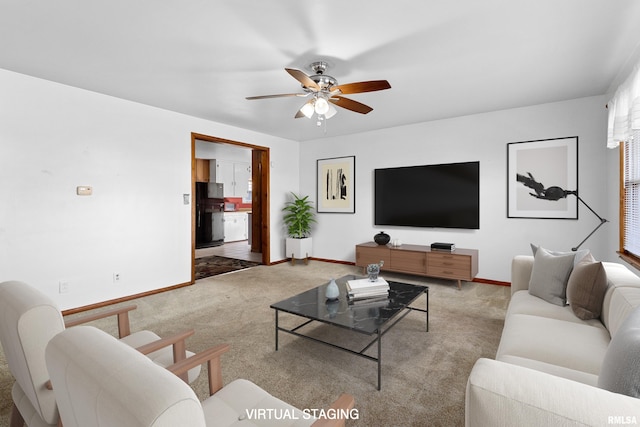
[{"x": 381, "y": 238}]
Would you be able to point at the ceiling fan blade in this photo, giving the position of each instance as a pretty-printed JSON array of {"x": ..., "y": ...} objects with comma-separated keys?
[
  {"x": 350, "y": 104},
  {"x": 303, "y": 78},
  {"x": 360, "y": 87},
  {"x": 281, "y": 95}
]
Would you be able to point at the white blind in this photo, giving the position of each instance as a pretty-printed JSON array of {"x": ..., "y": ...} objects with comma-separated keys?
[{"x": 632, "y": 194}]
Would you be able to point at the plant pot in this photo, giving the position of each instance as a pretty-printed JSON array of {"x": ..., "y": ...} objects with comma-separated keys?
[{"x": 299, "y": 249}]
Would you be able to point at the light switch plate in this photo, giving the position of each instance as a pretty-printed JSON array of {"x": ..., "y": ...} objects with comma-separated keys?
[
  {"x": 63, "y": 287},
  {"x": 84, "y": 190}
]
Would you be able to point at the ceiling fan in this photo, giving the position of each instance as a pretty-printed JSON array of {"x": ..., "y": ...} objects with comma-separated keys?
[{"x": 324, "y": 91}]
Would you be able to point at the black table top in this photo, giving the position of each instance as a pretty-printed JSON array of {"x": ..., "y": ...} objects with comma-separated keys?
[{"x": 363, "y": 316}]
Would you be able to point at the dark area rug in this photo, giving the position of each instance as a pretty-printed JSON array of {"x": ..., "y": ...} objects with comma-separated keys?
[{"x": 214, "y": 265}]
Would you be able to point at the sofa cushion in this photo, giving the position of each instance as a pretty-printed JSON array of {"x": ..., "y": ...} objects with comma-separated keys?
[
  {"x": 550, "y": 275},
  {"x": 586, "y": 288},
  {"x": 522, "y": 302},
  {"x": 578, "y": 346},
  {"x": 555, "y": 370},
  {"x": 620, "y": 371}
]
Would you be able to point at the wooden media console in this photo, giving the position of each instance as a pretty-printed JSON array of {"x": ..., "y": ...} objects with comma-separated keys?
[{"x": 460, "y": 264}]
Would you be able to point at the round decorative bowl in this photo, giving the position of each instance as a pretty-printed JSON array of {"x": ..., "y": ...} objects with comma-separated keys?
[{"x": 381, "y": 238}]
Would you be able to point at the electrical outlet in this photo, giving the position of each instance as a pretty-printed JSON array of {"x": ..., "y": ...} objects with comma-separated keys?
[
  {"x": 63, "y": 287},
  {"x": 116, "y": 277}
]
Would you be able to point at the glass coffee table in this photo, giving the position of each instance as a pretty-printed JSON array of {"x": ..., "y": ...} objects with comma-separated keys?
[{"x": 373, "y": 318}]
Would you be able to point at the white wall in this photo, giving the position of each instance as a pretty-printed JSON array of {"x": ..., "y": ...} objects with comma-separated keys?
[
  {"x": 137, "y": 158},
  {"x": 481, "y": 137}
]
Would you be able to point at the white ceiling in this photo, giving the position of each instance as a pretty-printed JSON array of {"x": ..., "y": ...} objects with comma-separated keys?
[{"x": 443, "y": 58}]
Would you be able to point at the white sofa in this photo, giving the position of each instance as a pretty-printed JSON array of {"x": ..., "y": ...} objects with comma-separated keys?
[{"x": 549, "y": 361}]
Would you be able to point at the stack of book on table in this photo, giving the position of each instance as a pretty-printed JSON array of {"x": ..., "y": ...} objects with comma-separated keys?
[{"x": 364, "y": 290}]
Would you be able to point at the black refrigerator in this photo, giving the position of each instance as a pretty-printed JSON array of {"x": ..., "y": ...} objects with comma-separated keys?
[{"x": 209, "y": 214}]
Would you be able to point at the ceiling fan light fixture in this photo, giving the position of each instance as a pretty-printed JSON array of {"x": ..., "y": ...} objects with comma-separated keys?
[
  {"x": 325, "y": 93},
  {"x": 307, "y": 109},
  {"x": 322, "y": 105},
  {"x": 331, "y": 112}
]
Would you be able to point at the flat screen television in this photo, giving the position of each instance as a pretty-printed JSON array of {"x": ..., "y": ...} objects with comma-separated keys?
[{"x": 444, "y": 195}]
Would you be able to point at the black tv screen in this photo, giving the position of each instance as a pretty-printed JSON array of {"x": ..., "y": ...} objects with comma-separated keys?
[{"x": 445, "y": 195}]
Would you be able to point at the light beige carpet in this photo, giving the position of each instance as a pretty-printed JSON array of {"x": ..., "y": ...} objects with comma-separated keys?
[{"x": 423, "y": 373}]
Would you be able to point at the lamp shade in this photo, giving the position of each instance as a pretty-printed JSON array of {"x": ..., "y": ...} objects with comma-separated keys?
[
  {"x": 307, "y": 109},
  {"x": 322, "y": 106},
  {"x": 331, "y": 112}
]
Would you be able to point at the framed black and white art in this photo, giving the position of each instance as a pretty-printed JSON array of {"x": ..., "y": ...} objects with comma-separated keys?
[
  {"x": 542, "y": 178},
  {"x": 336, "y": 185}
]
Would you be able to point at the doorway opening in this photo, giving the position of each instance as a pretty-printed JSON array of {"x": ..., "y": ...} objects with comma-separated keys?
[{"x": 253, "y": 207}]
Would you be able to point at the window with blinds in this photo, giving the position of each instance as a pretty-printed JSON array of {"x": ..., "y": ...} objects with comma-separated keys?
[{"x": 631, "y": 194}]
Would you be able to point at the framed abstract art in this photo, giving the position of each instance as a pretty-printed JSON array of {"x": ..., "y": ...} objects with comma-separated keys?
[
  {"x": 542, "y": 178},
  {"x": 336, "y": 185}
]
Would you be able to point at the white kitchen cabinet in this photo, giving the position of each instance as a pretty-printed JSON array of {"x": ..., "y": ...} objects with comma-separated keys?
[
  {"x": 222, "y": 171},
  {"x": 241, "y": 178},
  {"x": 235, "y": 226},
  {"x": 234, "y": 175}
]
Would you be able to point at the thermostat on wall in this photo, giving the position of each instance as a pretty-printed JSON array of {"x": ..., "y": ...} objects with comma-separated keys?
[{"x": 84, "y": 190}]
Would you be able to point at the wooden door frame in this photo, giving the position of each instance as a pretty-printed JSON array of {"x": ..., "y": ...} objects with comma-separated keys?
[{"x": 263, "y": 194}]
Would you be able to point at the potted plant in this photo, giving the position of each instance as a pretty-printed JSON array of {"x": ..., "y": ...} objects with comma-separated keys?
[{"x": 298, "y": 217}]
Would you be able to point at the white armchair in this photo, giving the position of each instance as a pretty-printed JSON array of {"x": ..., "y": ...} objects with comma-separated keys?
[
  {"x": 28, "y": 320},
  {"x": 100, "y": 381}
]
